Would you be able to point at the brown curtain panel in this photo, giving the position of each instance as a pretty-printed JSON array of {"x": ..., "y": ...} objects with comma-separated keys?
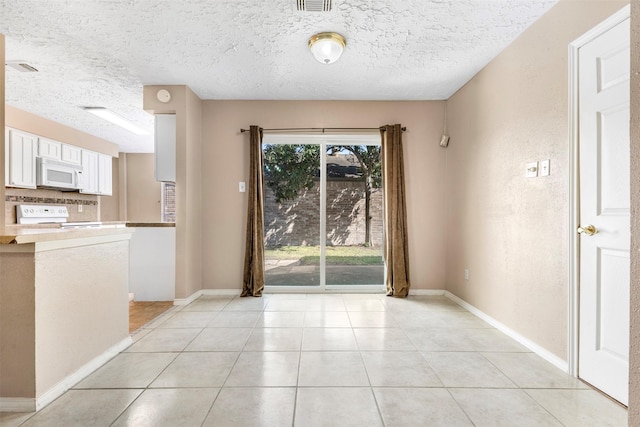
[
  {"x": 396, "y": 249},
  {"x": 254, "y": 243}
]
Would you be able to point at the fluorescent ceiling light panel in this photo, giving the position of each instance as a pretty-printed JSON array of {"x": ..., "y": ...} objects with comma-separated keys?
[
  {"x": 21, "y": 66},
  {"x": 115, "y": 119}
]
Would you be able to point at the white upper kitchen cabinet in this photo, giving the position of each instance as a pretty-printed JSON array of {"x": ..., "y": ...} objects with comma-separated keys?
[
  {"x": 71, "y": 154},
  {"x": 105, "y": 178},
  {"x": 165, "y": 147},
  {"x": 97, "y": 173},
  {"x": 20, "y": 159},
  {"x": 89, "y": 172},
  {"x": 49, "y": 149}
]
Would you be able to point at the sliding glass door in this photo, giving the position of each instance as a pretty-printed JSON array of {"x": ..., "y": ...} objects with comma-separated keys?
[
  {"x": 353, "y": 244},
  {"x": 323, "y": 212},
  {"x": 291, "y": 213}
]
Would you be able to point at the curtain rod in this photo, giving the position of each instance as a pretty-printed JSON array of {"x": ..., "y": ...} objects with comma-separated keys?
[{"x": 323, "y": 130}]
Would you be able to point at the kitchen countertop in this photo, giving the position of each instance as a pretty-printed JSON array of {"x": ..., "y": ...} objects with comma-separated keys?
[
  {"x": 19, "y": 234},
  {"x": 151, "y": 224}
]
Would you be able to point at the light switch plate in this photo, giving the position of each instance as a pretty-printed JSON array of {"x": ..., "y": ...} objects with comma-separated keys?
[
  {"x": 532, "y": 170},
  {"x": 242, "y": 187},
  {"x": 544, "y": 168}
]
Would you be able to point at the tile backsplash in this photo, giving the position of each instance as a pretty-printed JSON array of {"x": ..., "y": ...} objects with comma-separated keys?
[{"x": 19, "y": 196}]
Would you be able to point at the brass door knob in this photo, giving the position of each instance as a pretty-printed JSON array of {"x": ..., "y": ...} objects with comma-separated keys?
[{"x": 589, "y": 230}]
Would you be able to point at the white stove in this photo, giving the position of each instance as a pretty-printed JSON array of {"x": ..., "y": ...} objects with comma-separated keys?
[
  {"x": 41, "y": 214},
  {"x": 50, "y": 214}
]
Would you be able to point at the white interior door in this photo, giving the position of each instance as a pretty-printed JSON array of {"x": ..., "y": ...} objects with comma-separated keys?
[{"x": 604, "y": 68}]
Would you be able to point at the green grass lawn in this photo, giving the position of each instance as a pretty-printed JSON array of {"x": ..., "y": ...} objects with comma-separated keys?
[
  {"x": 343, "y": 260},
  {"x": 336, "y": 255}
]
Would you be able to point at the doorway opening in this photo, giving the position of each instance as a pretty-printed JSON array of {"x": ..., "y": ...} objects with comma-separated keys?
[{"x": 323, "y": 227}]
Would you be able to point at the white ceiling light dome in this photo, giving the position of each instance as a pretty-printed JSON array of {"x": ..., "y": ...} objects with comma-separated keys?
[{"x": 327, "y": 47}]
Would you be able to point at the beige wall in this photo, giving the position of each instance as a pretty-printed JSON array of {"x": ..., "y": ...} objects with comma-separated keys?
[
  {"x": 40, "y": 126},
  {"x": 17, "y": 343},
  {"x": 143, "y": 192},
  {"x": 189, "y": 188},
  {"x": 51, "y": 323},
  {"x": 634, "y": 353},
  {"x": 226, "y": 160},
  {"x": 191, "y": 172},
  {"x": 511, "y": 232}
]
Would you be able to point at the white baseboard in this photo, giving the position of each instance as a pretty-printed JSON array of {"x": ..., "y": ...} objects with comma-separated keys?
[
  {"x": 17, "y": 404},
  {"x": 215, "y": 292},
  {"x": 222, "y": 292},
  {"x": 211, "y": 292},
  {"x": 12, "y": 404},
  {"x": 188, "y": 300},
  {"x": 545, "y": 354},
  {"x": 430, "y": 292},
  {"x": 236, "y": 292},
  {"x": 81, "y": 373}
]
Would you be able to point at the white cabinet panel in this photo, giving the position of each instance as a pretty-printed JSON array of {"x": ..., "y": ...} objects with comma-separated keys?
[
  {"x": 21, "y": 159},
  {"x": 165, "y": 147},
  {"x": 6, "y": 156},
  {"x": 71, "y": 154},
  {"x": 90, "y": 172},
  {"x": 104, "y": 175},
  {"x": 97, "y": 173},
  {"x": 152, "y": 267},
  {"x": 49, "y": 149}
]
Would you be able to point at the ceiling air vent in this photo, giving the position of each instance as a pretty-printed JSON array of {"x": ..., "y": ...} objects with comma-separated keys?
[
  {"x": 314, "y": 5},
  {"x": 21, "y": 66}
]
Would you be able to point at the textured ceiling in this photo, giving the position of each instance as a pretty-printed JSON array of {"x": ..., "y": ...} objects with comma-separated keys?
[{"x": 101, "y": 52}]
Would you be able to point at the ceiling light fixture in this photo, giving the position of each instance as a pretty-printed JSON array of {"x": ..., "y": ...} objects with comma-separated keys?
[
  {"x": 21, "y": 66},
  {"x": 327, "y": 47},
  {"x": 112, "y": 117}
]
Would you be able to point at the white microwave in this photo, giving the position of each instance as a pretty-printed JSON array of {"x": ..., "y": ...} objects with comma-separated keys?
[{"x": 58, "y": 175}]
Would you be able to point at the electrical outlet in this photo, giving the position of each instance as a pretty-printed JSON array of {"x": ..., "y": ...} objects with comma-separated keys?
[
  {"x": 466, "y": 274},
  {"x": 79, "y": 208}
]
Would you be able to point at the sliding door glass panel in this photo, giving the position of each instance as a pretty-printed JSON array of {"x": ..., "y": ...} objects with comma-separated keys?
[
  {"x": 292, "y": 214},
  {"x": 354, "y": 231}
]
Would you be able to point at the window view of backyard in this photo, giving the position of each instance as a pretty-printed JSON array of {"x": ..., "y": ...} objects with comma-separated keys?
[{"x": 344, "y": 214}]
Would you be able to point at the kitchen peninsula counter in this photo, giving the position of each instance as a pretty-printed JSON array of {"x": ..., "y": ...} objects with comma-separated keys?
[
  {"x": 151, "y": 224},
  {"x": 21, "y": 234},
  {"x": 64, "y": 308}
]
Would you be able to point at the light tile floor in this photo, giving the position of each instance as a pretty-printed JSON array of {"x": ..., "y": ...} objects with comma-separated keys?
[{"x": 325, "y": 360}]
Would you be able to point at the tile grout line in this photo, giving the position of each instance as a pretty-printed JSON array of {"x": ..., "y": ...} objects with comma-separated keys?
[
  {"x": 298, "y": 387},
  {"x": 166, "y": 367}
]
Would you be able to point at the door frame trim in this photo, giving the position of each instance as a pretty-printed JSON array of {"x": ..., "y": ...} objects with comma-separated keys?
[
  {"x": 574, "y": 181},
  {"x": 324, "y": 139}
]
